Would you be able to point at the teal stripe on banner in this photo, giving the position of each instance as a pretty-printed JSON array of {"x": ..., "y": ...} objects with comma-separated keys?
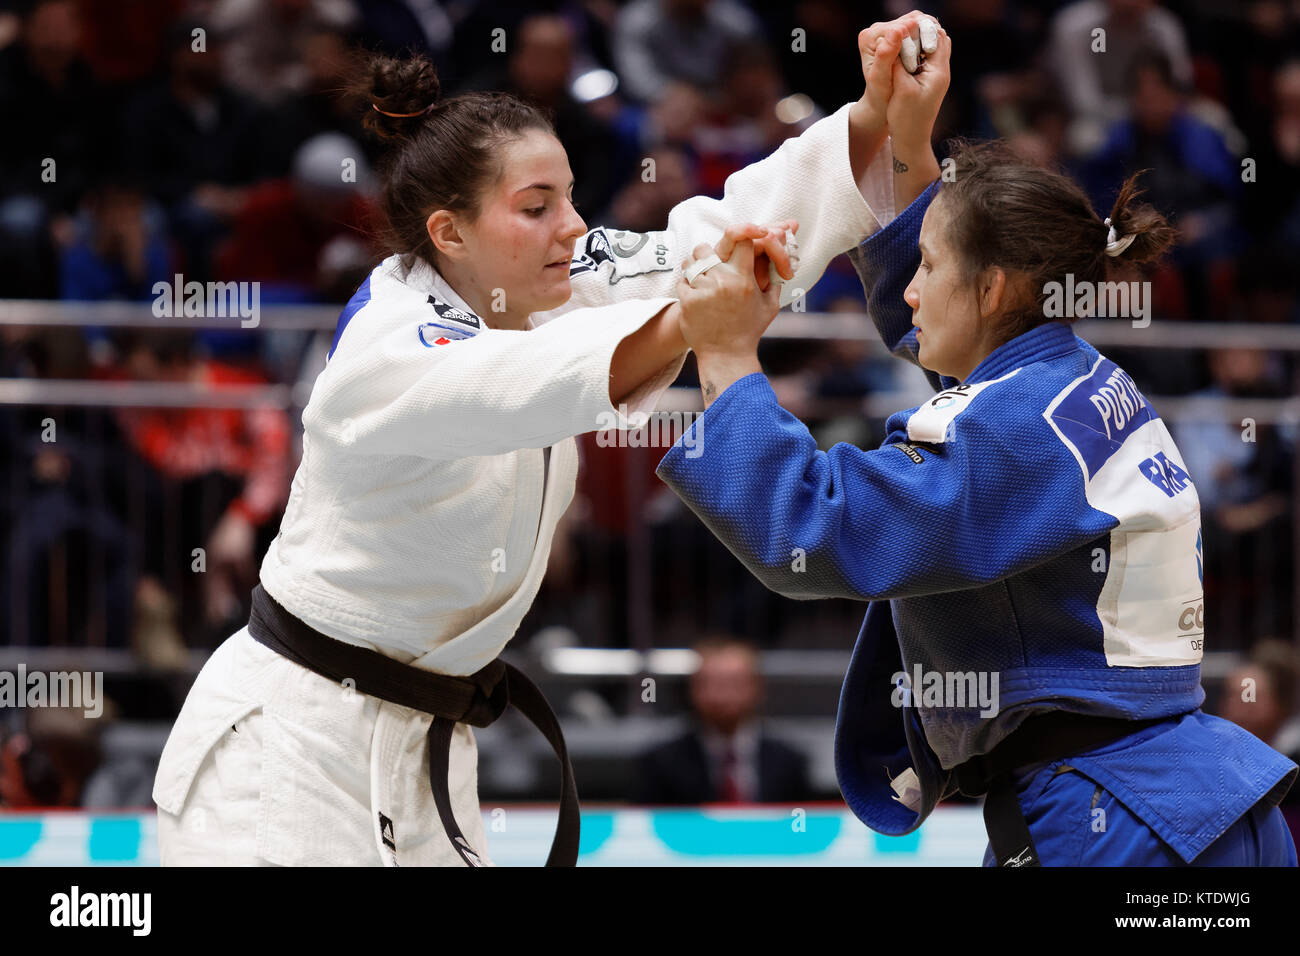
[
  {"x": 114, "y": 839},
  {"x": 17, "y": 837},
  {"x": 907, "y": 843},
  {"x": 698, "y": 834},
  {"x": 596, "y": 829}
]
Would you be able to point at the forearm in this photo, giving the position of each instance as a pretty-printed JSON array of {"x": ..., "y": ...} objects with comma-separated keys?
[
  {"x": 867, "y": 134},
  {"x": 719, "y": 370},
  {"x": 915, "y": 167},
  {"x": 645, "y": 352}
]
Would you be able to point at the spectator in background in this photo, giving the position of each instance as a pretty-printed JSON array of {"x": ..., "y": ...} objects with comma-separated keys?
[
  {"x": 643, "y": 206},
  {"x": 320, "y": 107},
  {"x": 667, "y": 124},
  {"x": 743, "y": 126},
  {"x": 52, "y": 114},
  {"x": 215, "y": 478},
  {"x": 538, "y": 67},
  {"x": 196, "y": 144},
  {"x": 262, "y": 41},
  {"x": 1193, "y": 178},
  {"x": 48, "y": 763},
  {"x": 118, "y": 247},
  {"x": 726, "y": 757},
  {"x": 1243, "y": 476},
  {"x": 658, "y": 41},
  {"x": 1096, "y": 85},
  {"x": 306, "y": 237},
  {"x": 1261, "y": 696}
]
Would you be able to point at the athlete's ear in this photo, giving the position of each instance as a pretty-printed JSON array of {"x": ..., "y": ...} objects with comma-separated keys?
[
  {"x": 444, "y": 234},
  {"x": 993, "y": 291}
]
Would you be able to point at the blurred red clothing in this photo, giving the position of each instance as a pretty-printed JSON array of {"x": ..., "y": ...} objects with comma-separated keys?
[
  {"x": 184, "y": 443},
  {"x": 274, "y": 240}
]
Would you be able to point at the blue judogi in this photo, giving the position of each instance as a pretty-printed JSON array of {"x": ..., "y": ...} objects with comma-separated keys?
[{"x": 1035, "y": 534}]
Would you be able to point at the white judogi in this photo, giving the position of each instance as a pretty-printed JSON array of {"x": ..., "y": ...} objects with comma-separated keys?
[{"x": 438, "y": 456}]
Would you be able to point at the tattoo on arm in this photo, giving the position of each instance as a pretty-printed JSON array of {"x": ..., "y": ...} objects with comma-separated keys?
[
  {"x": 710, "y": 390},
  {"x": 899, "y": 167}
]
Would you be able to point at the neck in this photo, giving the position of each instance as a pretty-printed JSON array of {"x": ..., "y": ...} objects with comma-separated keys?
[{"x": 464, "y": 286}]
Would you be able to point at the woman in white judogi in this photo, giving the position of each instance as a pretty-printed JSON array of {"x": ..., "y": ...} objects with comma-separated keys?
[{"x": 438, "y": 456}]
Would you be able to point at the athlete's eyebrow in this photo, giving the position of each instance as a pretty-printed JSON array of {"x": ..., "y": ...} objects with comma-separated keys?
[
  {"x": 546, "y": 187},
  {"x": 925, "y": 250}
]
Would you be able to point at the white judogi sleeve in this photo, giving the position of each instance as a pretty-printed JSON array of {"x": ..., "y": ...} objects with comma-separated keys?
[
  {"x": 403, "y": 393},
  {"x": 808, "y": 178}
]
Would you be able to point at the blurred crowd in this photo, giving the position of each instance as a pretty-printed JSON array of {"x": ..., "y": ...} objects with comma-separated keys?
[{"x": 205, "y": 138}]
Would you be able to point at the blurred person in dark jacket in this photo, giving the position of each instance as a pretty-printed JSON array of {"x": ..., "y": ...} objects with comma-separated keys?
[
  {"x": 196, "y": 144},
  {"x": 1243, "y": 473},
  {"x": 726, "y": 757},
  {"x": 54, "y": 134},
  {"x": 1193, "y": 178}
]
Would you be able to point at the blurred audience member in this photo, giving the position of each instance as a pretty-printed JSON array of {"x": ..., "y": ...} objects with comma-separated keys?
[
  {"x": 118, "y": 247},
  {"x": 54, "y": 121},
  {"x": 1193, "y": 177},
  {"x": 744, "y": 124},
  {"x": 195, "y": 144},
  {"x": 296, "y": 235},
  {"x": 214, "y": 478},
  {"x": 1243, "y": 473},
  {"x": 658, "y": 41},
  {"x": 538, "y": 68},
  {"x": 262, "y": 42},
  {"x": 1094, "y": 68},
  {"x": 726, "y": 757},
  {"x": 48, "y": 763},
  {"x": 321, "y": 107},
  {"x": 1261, "y": 696},
  {"x": 643, "y": 206}
]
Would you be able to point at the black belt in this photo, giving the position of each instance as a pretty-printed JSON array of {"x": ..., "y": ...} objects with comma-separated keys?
[
  {"x": 1042, "y": 738},
  {"x": 478, "y": 700}
]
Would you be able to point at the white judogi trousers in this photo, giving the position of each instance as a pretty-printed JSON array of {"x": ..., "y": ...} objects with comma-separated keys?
[{"x": 272, "y": 764}]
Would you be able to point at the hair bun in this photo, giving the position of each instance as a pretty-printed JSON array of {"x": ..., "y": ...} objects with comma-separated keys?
[{"x": 399, "y": 94}]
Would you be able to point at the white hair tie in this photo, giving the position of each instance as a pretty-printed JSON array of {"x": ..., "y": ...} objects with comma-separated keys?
[{"x": 1115, "y": 245}]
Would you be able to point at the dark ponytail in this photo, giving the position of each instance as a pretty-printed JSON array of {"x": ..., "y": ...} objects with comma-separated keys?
[
  {"x": 442, "y": 153},
  {"x": 1152, "y": 234},
  {"x": 1039, "y": 226}
]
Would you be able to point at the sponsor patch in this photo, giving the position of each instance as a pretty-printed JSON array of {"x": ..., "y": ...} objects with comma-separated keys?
[
  {"x": 930, "y": 422},
  {"x": 910, "y": 451},
  {"x": 631, "y": 253},
  {"x": 452, "y": 314}
]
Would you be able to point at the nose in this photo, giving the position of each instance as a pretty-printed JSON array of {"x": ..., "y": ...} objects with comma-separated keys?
[
  {"x": 912, "y": 295},
  {"x": 573, "y": 225}
]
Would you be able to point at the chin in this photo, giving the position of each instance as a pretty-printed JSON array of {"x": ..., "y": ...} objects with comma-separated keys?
[{"x": 552, "y": 298}]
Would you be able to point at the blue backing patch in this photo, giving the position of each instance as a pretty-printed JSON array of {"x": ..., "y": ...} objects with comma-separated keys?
[
  {"x": 355, "y": 304},
  {"x": 1099, "y": 413}
]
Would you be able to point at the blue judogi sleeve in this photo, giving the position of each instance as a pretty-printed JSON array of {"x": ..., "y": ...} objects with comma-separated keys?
[
  {"x": 886, "y": 263},
  {"x": 880, "y": 524}
]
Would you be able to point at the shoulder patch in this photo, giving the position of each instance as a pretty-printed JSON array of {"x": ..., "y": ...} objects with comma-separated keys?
[
  {"x": 930, "y": 422},
  {"x": 630, "y": 253},
  {"x": 1095, "y": 413},
  {"x": 441, "y": 333}
]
